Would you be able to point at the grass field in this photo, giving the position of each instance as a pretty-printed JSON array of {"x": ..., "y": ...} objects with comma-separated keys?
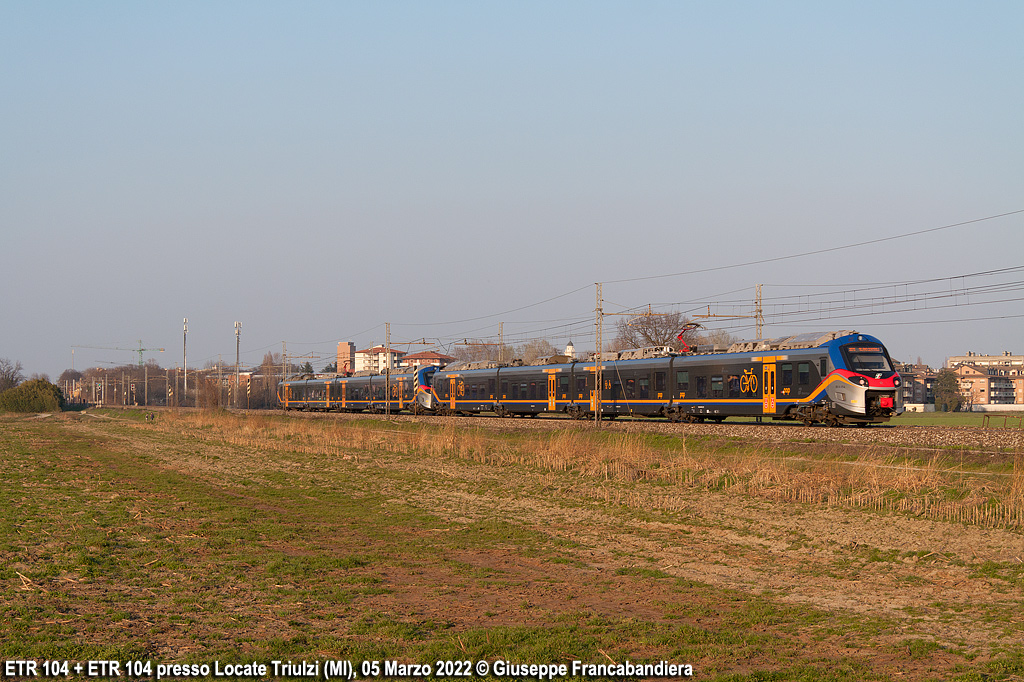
[{"x": 210, "y": 536}]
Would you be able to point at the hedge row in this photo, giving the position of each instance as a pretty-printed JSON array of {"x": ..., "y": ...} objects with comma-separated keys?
[{"x": 32, "y": 396}]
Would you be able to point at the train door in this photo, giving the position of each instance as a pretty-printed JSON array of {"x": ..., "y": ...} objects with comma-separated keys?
[
  {"x": 768, "y": 387},
  {"x": 344, "y": 394},
  {"x": 401, "y": 393},
  {"x": 592, "y": 385},
  {"x": 552, "y": 390},
  {"x": 455, "y": 388}
]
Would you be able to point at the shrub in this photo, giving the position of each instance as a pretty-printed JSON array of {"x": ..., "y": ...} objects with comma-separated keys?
[{"x": 38, "y": 395}]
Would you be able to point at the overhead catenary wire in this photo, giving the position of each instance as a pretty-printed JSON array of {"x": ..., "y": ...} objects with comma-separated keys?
[
  {"x": 828, "y": 303},
  {"x": 817, "y": 252}
]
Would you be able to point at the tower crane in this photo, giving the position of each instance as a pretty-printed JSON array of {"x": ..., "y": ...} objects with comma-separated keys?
[{"x": 140, "y": 350}]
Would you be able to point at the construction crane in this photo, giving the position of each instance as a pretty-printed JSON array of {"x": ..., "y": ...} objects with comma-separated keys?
[{"x": 140, "y": 350}]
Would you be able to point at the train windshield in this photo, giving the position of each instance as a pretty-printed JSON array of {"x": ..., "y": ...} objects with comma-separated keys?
[{"x": 866, "y": 358}]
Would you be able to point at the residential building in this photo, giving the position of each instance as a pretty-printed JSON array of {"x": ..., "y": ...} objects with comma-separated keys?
[
  {"x": 1006, "y": 361},
  {"x": 377, "y": 359},
  {"x": 990, "y": 379},
  {"x": 918, "y": 383},
  {"x": 346, "y": 358},
  {"x": 427, "y": 357},
  {"x": 988, "y": 385}
]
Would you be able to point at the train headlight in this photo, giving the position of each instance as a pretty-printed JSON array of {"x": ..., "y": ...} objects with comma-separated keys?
[
  {"x": 860, "y": 381},
  {"x": 897, "y": 382}
]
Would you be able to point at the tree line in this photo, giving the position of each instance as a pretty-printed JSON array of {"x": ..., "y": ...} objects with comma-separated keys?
[{"x": 36, "y": 394}]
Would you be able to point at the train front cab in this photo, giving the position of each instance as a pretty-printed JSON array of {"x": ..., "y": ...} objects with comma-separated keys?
[{"x": 864, "y": 387}]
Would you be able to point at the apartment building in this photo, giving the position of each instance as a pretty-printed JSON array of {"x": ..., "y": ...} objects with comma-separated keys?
[{"x": 990, "y": 379}]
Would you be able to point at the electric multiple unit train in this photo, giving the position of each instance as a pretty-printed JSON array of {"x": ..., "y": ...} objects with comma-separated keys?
[{"x": 824, "y": 377}]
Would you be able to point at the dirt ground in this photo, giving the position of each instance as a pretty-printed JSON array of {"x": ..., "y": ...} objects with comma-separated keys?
[{"x": 939, "y": 582}]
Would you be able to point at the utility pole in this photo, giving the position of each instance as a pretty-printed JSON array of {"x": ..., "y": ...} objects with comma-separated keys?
[
  {"x": 758, "y": 314},
  {"x": 387, "y": 369},
  {"x": 184, "y": 362},
  {"x": 501, "y": 342},
  {"x": 598, "y": 378},
  {"x": 238, "y": 346}
]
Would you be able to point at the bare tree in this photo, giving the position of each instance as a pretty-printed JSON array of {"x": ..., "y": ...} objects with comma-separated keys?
[
  {"x": 537, "y": 348},
  {"x": 717, "y": 337},
  {"x": 648, "y": 330},
  {"x": 471, "y": 351},
  {"x": 664, "y": 329},
  {"x": 69, "y": 375},
  {"x": 10, "y": 374},
  {"x": 263, "y": 390}
]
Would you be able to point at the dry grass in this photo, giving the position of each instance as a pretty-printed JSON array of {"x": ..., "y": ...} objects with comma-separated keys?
[{"x": 876, "y": 480}]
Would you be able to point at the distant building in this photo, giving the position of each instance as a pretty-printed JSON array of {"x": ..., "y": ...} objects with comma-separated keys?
[
  {"x": 378, "y": 359},
  {"x": 346, "y": 357},
  {"x": 989, "y": 386},
  {"x": 427, "y": 357},
  {"x": 1006, "y": 361},
  {"x": 990, "y": 379},
  {"x": 570, "y": 350},
  {"x": 918, "y": 383}
]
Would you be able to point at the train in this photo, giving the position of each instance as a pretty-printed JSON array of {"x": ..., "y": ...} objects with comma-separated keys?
[{"x": 834, "y": 378}]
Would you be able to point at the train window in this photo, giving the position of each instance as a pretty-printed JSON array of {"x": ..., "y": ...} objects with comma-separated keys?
[
  {"x": 866, "y": 358},
  {"x": 523, "y": 387},
  {"x": 804, "y": 372},
  {"x": 515, "y": 392},
  {"x": 787, "y": 374},
  {"x": 472, "y": 391},
  {"x": 659, "y": 382},
  {"x": 823, "y": 367},
  {"x": 682, "y": 380},
  {"x": 701, "y": 386},
  {"x": 734, "y": 386},
  {"x": 581, "y": 385},
  {"x": 563, "y": 384},
  {"x": 630, "y": 389},
  {"x": 504, "y": 389},
  {"x": 717, "y": 387},
  {"x": 490, "y": 388},
  {"x": 643, "y": 387},
  {"x": 616, "y": 390}
]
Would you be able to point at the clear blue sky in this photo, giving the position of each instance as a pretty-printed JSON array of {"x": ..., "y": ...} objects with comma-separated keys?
[{"x": 317, "y": 169}]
